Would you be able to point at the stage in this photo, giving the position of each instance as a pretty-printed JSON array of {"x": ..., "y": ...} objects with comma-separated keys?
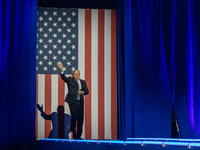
[{"x": 130, "y": 143}]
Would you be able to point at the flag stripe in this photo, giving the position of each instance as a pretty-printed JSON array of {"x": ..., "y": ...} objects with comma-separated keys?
[
  {"x": 47, "y": 104},
  {"x": 88, "y": 73},
  {"x": 108, "y": 74},
  {"x": 101, "y": 74},
  {"x": 114, "y": 74},
  {"x": 41, "y": 96},
  {"x": 36, "y": 120},
  {"x": 94, "y": 77}
]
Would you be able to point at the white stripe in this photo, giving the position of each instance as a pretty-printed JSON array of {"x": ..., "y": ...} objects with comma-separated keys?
[
  {"x": 107, "y": 74},
  {"x": 54, "y": 101},
  {"x": 94, "y": 75},
  {"x": 67, "y": 117},
  {"x": 81, "y": 50},
  {"x": 41, "y": 98}
]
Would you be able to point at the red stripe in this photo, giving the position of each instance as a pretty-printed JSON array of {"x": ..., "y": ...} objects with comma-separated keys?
[
  {"x": 47, "y": 105},
  {"x": 61, "y": 115},
  {"x": 88, "y": 73},
  {"x": 101, "y": 126},
  {"x": 114, "y": 76},
  {"x": 36, "y": 120}
]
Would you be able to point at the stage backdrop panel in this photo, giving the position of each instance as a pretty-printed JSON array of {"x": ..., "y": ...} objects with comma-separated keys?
[{"x": 83, "y": 39}]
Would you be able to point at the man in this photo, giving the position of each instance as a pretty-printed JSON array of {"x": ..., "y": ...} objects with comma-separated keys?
[{"x": 77, "y": 88}]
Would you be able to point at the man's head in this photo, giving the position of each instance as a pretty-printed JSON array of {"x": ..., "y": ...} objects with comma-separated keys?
[{"x": 76, "y": 74}]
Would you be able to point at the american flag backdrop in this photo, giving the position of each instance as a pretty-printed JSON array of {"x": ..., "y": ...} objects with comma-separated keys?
[{"x": 83, "y": 39}]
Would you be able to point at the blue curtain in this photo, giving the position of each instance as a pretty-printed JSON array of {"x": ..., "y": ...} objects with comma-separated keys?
[
  {"x": 158, "y": 67},
  {"x": 18, "y": 29}
]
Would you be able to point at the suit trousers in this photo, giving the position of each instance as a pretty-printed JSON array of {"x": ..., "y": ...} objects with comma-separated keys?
[{"x": 77, "y": 112}]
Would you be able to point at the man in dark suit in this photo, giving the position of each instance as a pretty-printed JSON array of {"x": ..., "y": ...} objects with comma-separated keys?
[{"x": 77, "y": 88}]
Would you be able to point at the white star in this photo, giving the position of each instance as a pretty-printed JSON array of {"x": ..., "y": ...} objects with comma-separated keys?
[
  {"x": 45, "y": 13},
  {"x": 45, "y": 46},
  {"x": 50, "y": 63},
  {"x": 50, "y": 30},
  {"x": 73, "y": 68},
  {"x": 36, "y": 68},
  {"x": 45, "y": 68},
  {"x": 37, "y": 24},
  {"x": 54, "y": 35},
  {"x": 36, "y": 57},
  {"x": 40, "y": 51},
  {"x": 40, "y": 63},
  {"x": 59, "y": 30},
  {"x": 50, "y": 52},
  {"x": 41, "y": 29},
  {"x": 68, "y": 30},
  {"x": 68, "y": 41},
  {"x": 37, "y": 35},
  {"x": 64, "y": 24},
  {"x": 73, "y": 58},
  {"x": 50, "y": 19},
  {"x": 50, "y": 40},
  {"x": 59, "y": 52},
  {"x": 41, "y": 18},
  {"x": 54, "y": 46},
  {"x": 68, "y": 19},
  {"x": 64, "y": 68},
  {"x": 59, "y": 41},
  {"x": 45, "y": 57},
  {"x": 73, "y": 14},
  {"x": 54, "y": 13},
  {"x": 45, "y": 35},
  {"x": 73, "y": 47},
  {"x": 68, "y": 52},
  {"x": 64, "y": 57},
  {"x": 73, "y": 35},
  {"x": 59, "y": 19},
  {"x": 54, "y": 24},
  {"x": 54, "y": 68},
  {"x": 54, "y": 57},
  {"x": 64, "y": 35},
  {"x": 73, "y": 25},
  {"x": 45, "y": 24},
  {"x": 64, "y": 13},
  {"x": 41, "y": 40},
  {"x": 64, "y": 46},
  {"x": 37, "y": 45},
  {"x": 68, "y": 63}
]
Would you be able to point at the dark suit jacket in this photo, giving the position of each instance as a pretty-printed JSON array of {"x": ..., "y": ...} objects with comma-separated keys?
[{"x": 73, "y": 89}]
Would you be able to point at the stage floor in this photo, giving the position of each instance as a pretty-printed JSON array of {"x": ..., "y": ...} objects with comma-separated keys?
[{"x": 130, "y": 143}]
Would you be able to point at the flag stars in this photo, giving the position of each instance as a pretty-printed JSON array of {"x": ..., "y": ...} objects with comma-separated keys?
[
  {"x": 68, "y": 19},
  {"x": 64, "y": 24},
  {"x": 50, "y": 41},
  {"x": 45, "y": 13},
  {"x": 40, "y": 18},
  {"x": 73, "y": 58},
  {"x": 73, "y": 47},
  {"x": 45, "y": 68},
  {"x": 40, "y": 51},
  {"x": 68, "y": 41},
  {"x": 54, "y": 35},
  {"x": 68, "y": 30},
  {"x": 64, "y": 46},
  {"x": 54, "y": 13},
  {"x": 50, "y": 63},
  {"x": 45, "y": 46},
  {"x": 64, "y": 35},
  {"x": 40, "y": 63},
  {"x": 41, "y": 29},
  {"x": 73, "y": 36},
  {"x": 73, "y": 14},
  {"x": 50, "y": 29},
  {"x": 64, "y": 68},
  {"x": 54, "y": 57},
  {"x": 59, "y": 52},
  {"x": 54, "y": 24},
  {"x": 50, "y": 19},
  {"x": 36, "y": 57},
  {"x": 41, "y": 40},
  {"x": 45, "y": 57},
  {"x": 54, "y": 68},
  {"x": 59, "y": 41},
  {"x": 45, "y": 35},
  {"x": 45, "y": 24},
  {"x": 59, "y": 19},
  {"x": 64, "y": 13},
  {"x": 73, "y": 25},
  {"x": 68, "y": 63},
  {"x": 68, "y": 52},
  {"x": 73, "y": 68},
  {"x": 64, "y": 57},
  {"x": 37, "y": 46},
  {"x": 54, "y": 46},
  {"x": 59, "y": 30},
  {"x": 50, "y": 52}
]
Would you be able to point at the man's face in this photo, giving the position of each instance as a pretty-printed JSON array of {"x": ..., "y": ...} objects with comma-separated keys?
[{"x": 76, "y": 74}]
